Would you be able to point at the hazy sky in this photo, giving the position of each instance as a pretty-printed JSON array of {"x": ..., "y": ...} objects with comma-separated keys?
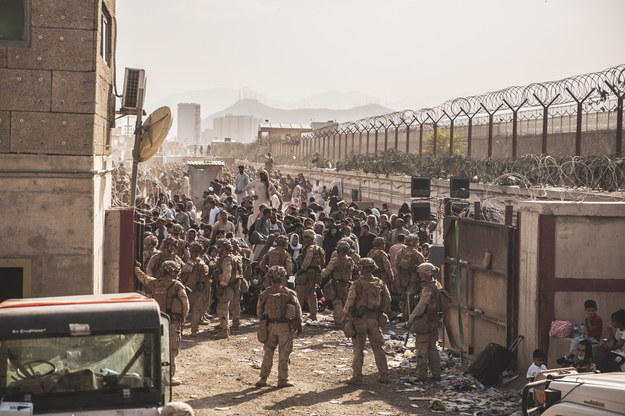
[{"x": 392, "y": 49}]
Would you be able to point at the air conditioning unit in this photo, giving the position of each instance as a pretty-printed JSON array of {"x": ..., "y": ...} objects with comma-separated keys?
[{"x": 134, "y": 90}]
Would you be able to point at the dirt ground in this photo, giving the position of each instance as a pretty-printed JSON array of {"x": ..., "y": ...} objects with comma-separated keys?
[{"x": 218, "y": 377}]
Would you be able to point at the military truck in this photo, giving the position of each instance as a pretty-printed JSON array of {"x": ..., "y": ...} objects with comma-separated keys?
[
  {"x": 79, "y": 355},
  {"x": 564, "y": 392}
]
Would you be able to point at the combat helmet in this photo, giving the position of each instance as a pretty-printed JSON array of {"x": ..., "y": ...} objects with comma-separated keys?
[
  {"x": 276, "y": 274},
  {"x": 309, "y": 234},
  {"x": 412, "y": 240},
  {"x": 281, "y": 240},
  {"x": 427, "y": 268},
  {"x": 170, "y": 267},
  {"x": 150, "y": 241},
  {"x": 367, "y": 263},
  {"x": 343, "y": 247},
  {"x": 196, "y": 247},
  {"x": 177, "y": 229},
  {"x": 379, "y": 242},
  {"x": 224, "y": 243},
  {"x": 170, "y": 240}
]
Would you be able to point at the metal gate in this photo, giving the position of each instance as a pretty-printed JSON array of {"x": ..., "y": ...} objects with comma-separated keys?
[{"x": 480, "y": 275}]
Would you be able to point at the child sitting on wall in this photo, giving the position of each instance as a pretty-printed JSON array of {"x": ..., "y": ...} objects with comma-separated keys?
[{"x": 591, "y": 331}]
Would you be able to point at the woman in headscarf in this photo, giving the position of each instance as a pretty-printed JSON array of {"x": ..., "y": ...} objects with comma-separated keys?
[{"x": 295, "y": 249}]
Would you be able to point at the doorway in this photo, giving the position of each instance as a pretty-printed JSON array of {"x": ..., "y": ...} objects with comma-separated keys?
[{"x": 15, "y": 278}]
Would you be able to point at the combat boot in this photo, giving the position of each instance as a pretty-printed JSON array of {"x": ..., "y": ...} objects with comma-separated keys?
[
  {"x": 354, "y": 380},
  {"x": 262, "y": 382},
  {"x": 285, "y": 383}
]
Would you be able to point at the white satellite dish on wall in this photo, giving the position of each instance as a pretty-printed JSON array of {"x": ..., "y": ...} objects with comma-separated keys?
[{"x": 154, "y": 131}]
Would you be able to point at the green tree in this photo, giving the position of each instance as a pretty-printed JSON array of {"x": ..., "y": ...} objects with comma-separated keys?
[{"x": 442, "y": 143}]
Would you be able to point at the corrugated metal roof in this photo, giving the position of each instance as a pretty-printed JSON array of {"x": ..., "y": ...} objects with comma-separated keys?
[
  {"x": 205, "y": 163},
  {"x": 285, "y": 126}
]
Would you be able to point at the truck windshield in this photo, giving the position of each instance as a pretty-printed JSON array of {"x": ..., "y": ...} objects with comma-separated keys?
[{"x": 106, "y": 366}]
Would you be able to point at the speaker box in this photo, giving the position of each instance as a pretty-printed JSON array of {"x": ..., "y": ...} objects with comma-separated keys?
[
  {"x": 420, "y": 187},
  {"x": 420, "y": 211},
  {"x": 459, "y": 187}
]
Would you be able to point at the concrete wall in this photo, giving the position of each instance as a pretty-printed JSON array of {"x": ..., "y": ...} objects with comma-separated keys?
[
  {"x": 52, "y": 213},
  {"x": 55, "y": 114},
  {"x": 569, "y": 252}
]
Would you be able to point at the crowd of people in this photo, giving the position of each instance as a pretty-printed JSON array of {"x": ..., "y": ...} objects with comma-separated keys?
[{"x": 295, "y": 244}]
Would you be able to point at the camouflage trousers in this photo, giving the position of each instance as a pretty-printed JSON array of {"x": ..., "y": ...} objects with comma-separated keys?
[
  {"x": 368, "y": 327},
  {"x": 278, "y": 335},
  {"x": 197, "y": 301},
  {"x": 427, "y": 355},
  {"x": 306, "y": 294},
  {"x": 342, "y": 289},
  {"x": 175, "y": 337},
  {"x": 223, "y": 312},
  {"x": 235, "y": 305}
]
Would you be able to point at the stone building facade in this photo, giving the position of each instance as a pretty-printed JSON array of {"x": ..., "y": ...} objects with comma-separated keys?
[{"x": 56, "y": 110}]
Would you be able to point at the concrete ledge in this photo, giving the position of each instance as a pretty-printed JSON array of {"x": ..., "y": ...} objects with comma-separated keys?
[{"x": 575, "y": 208}]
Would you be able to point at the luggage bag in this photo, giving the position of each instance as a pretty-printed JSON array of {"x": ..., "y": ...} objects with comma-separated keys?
[{"x": 492, "y": 361}]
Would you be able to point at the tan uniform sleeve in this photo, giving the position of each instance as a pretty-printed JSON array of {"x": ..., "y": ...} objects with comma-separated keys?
[
  {"x": 386, "y": 300},
  {"x": 184, "y": 299},
  {"x": 150, "y": 268},
  {"x": 388, "y": 268},
  {"x": 351, "y": 298},
  {"x": 145, "y": 280},
  {"x": 307, "y": 258},
  {"x": 288, "y": 264},
  {"x": 298, "y": 308},
  {"x": 329, "y": 269},
  {"x": 226, "y": 271},
  {"x": 261, "y": 303},
  {"x": 263, "y": 263},
  {"x": 424, "y": 301}
]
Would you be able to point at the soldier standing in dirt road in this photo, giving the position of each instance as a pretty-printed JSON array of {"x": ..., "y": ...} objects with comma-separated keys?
[
  {"x": 367, "y": 303},
  {"x": 281, "y": 316}
]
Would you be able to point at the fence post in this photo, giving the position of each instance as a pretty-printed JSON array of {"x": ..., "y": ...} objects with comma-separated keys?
[
  {"x": 509, "y": 212},
  {"x": 619, "y": 119},
  {"x": 420, "y": 139},
  {"x": 578, "y": 129},
  {"x": 545, "y": 120},
  {"x": 515, "y": 118},
  {"x": 477, "y": 210}
]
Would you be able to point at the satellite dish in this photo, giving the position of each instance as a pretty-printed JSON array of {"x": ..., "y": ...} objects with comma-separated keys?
[{"x": 154, "y": 131}]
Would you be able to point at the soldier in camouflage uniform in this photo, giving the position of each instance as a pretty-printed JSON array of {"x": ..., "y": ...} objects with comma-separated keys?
[
  {"x": 340, "y": 271},
  {"x": 149, "y": 249},
  {"x": 194, "y": 275},
  {"x": 168, "y": 252},
  {"x": 381, "y": 258},
  {"x": 408, "y": 283},
  {"x": 367, "y": 303},
  {"x": 239, "y": 266},
  {"x": 278, "y": 306},
  {"x": 309, "y": 275},
  {"x": 276, "y": 257},
  {"x": 172, "y": 299},
  {"x": 226, "y": 279},
  {"x": 177, "y": 231},
  {"x": 427, "y": 308}
]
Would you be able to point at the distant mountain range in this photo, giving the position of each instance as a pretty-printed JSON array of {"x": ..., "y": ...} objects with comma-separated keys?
[
  {"x": 332, "y": 105},
  {"x": 295, "y": 116}
]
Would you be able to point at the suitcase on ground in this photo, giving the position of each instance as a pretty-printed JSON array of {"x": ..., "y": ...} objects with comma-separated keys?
[{"x": 492, "y": 361}]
